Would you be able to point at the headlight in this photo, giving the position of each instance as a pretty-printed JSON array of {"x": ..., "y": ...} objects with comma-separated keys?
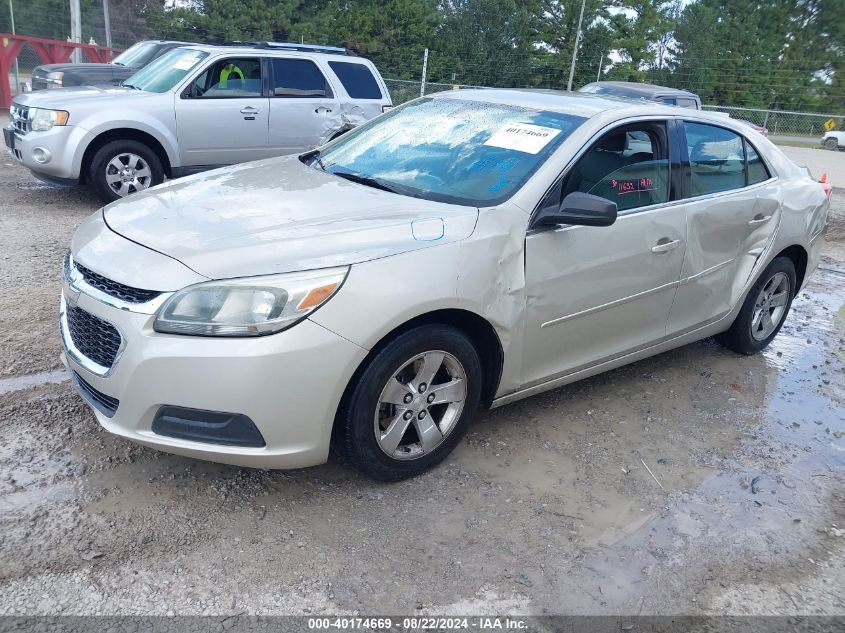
[
  {"x": 54, "y": 79},
  {"x": 41, "y": 120},
  {"x": 250, "y": 306}
]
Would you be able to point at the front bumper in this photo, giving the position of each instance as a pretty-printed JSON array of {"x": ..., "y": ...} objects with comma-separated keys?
[
  {"x": 289, "y": 384},
  {"x": 63, "y": 145}
]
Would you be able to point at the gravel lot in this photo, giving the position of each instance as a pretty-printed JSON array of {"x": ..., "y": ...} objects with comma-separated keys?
[{"x": 547, "y": 507}]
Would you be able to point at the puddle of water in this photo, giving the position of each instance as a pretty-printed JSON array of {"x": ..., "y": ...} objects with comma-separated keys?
[{"x": 17, "y": 383}]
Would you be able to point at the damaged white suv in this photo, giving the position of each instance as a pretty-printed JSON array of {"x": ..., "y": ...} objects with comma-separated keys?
[{"x": 194, "y": 108}]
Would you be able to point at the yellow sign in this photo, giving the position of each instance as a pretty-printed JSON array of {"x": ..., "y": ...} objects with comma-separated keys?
[{"x": 829, "y": 125}]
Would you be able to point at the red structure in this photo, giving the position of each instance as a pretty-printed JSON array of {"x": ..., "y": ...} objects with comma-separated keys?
[{"x": 48, "y": 51}]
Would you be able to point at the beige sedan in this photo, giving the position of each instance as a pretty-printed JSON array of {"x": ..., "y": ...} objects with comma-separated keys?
[{"x": 463, "y": 250}]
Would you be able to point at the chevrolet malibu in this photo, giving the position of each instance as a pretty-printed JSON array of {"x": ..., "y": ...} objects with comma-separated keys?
[{"x": 464, "y": 250}]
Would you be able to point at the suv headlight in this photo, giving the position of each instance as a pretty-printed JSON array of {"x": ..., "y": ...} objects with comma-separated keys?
[
  {"x": 41, "y": 120},
  {"x": 249, "y": 306}
]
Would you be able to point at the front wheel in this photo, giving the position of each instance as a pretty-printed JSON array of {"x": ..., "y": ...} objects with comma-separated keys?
[
  {"x": 123, "y": 167},
  {"x": 412, "y": 403},
  {"x": 765, "y": 309}
]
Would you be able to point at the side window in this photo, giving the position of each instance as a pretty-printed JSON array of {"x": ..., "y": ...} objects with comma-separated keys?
[
  {"x": 297, "y": 78},
  {"x": 717, "y": 160},
  {"x": 357, "y": 80},
  {"x": 757, "y": 171},
  {"x": 628, "y": 165},
  {"x": 227, "y": 79}
]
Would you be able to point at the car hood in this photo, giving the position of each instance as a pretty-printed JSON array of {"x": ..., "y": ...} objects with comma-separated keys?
[
  {"x": 65, "y": 68},
  {"x": 65, "y": 98},
  {"x": 279, "y": 215}
]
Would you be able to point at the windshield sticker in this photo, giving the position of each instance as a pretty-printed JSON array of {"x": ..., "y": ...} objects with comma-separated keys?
[
  {"x": 522, "y": 137},
  {"x": 185, "y": 63}
]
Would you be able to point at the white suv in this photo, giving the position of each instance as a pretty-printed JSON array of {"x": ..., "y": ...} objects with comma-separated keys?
[{"x": 195, "y": 108}]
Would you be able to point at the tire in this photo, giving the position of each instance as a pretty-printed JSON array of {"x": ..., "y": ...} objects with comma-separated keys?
[
  {"x": 386, "y": 378},
  {"x": 831, "y": 144},
  {"x": 750, "y": 333},
  {"x": 142, "y": 164}
]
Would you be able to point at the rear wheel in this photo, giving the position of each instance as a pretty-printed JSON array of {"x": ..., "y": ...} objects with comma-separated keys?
[
  {"x": 765, "y": 309},
  {"x": 831, "y": 143},
  {"x": 412, "y": 404},
  {"x": 123, "y": 167}
]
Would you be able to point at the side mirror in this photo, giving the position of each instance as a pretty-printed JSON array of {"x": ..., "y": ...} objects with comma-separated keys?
[
  {"x": 581, "y": 209},
  {"x": 296, "y": 92}
]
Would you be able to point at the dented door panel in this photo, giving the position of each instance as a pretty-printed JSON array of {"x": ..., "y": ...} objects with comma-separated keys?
[
  {"x": 728, "y": 235},
  {"x": 593, "y": 293}
]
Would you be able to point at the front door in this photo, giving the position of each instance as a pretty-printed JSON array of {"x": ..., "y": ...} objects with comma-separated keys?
[
  {"x": 222, "y": 116},
  {"x": 304, "y": 111},
  {"x": 733, "y": 212},
  {"x": 595, "y": 293}
]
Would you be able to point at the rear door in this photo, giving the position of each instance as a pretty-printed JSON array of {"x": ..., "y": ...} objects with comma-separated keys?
[
  {"x": 304, "y": 111},
  {"x": 733, "y": 211},
  {"x": 365, "y": 94},
  {"x": 222, "y": 116}
]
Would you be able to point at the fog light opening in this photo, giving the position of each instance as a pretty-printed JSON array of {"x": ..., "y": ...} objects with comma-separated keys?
[{"x": 41, "y": 155}]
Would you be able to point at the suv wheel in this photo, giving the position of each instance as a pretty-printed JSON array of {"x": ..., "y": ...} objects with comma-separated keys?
[
  {"x": 123, "y": 167},
  {"x": 412, "y": 403},
  {"x": 831, "y": 143},
  {"x": 765, "y": 309}
]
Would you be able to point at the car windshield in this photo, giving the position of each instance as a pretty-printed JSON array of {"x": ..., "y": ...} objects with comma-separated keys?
[
  {"x": 165, "y": 72},
  {"x": 137, "y": 56},
  {"x": 450, "y": 150}
]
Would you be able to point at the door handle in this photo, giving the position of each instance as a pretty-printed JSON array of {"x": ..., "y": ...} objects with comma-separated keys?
[
  {"x": 759, "y": 219},
  {"x": 322, "y": 109},
  {"x": 664, "y": 245},
  {"x": 249, "y": 110}
]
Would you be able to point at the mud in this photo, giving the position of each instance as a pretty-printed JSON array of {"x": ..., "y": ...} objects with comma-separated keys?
[{"x": 547, "y": 507}]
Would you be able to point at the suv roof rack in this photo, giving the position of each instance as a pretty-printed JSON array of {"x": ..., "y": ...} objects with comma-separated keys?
[{"x": 293, "y": 46}]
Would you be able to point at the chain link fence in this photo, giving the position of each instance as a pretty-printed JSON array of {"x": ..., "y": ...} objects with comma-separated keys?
[{"x": 784, "y": 123}]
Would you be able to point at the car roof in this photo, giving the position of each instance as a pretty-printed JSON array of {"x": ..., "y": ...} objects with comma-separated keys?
[
  {"x": 585, "y": 105},
  {"x": 565, "y": 102},
  {"x": 647, "y": 90}
]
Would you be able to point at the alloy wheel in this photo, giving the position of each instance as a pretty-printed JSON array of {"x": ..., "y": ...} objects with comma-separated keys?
[
  {"x": 420, "y": 405},
  {"x": 770, "y": 306},
  {"x": 128, "y": 173}
]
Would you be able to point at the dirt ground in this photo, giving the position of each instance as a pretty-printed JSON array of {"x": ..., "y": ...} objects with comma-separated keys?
[{"x": 546, "y": 508}]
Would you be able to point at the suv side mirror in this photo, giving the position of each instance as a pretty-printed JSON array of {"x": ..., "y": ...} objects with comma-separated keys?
[{"x": 581, "y": 209}]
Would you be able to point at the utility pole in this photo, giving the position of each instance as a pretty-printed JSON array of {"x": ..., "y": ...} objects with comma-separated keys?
[
  {"x": 12, "y": 19},
  {"x": 425, "y": 69},
  {"x": 575, "y": 48},
  {"x": 107, "y": 22},
  {"x": 75, "y": 29},
  {"x": 601, "y": 61}
]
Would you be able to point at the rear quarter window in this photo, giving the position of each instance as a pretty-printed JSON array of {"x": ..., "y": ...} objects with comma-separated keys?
[{"x": 357, "y": 80}]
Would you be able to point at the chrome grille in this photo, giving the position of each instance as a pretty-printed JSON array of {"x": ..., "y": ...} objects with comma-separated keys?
[
  {"x": 20, "y": 118},
  {"x": 113, "y": 288},
  {"x": 95, "y": 338}
]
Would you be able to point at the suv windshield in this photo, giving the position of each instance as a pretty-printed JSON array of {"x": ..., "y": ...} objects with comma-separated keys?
[
  {"x": 137, "y": 56},
  {"x": 450, "y": 150},
  {"x": 166, "y": 71}
]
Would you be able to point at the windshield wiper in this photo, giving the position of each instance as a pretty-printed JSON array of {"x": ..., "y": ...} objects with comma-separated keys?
[
  {"x": 365, "y": 180},
  {"x": 126, "y": 85}
]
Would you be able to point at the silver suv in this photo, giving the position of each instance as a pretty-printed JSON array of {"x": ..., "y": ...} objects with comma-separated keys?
[{"x": 195, "y": 108}]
